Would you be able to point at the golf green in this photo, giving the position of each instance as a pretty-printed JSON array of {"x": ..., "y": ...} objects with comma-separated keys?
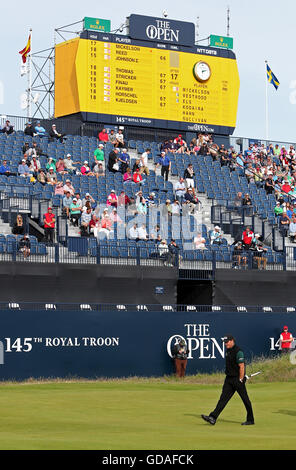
[{"x": 130, "y": 415}]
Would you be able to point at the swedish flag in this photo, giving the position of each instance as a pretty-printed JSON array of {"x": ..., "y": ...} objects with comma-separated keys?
[{"x": 271, "y": 77}]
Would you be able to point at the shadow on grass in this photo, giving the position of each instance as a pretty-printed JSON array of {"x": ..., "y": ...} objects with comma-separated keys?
[{"x": 286, "y": 412}]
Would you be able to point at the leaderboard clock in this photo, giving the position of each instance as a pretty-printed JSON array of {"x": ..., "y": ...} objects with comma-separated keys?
[{"x": 108, "y": 78}]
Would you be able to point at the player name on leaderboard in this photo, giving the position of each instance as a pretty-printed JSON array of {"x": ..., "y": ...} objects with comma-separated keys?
[{"x": 146, "y": 82}]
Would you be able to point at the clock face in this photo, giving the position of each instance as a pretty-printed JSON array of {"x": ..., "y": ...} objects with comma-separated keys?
[{"x": 202, "y": 71}]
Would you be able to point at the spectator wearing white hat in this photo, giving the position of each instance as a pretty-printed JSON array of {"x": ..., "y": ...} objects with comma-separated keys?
[
  {"x": 216, "y": 236},
  {"x": 85, "y": 169},
  {"x": 69, "y": 164},
  {"x": 112, "y": 199}
]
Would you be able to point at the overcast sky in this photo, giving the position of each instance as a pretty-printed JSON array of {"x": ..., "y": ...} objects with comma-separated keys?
[{"x": 262, "y": 30}]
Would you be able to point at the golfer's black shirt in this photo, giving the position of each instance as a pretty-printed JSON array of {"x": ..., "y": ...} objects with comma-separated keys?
[{"x": 234, "y": 357}]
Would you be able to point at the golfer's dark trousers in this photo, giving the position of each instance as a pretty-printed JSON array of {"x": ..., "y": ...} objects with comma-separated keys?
[{"x": 232, "y": 385}]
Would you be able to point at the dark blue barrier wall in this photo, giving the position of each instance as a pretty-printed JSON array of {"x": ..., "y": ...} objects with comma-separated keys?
[{"x": 126, "y": 343}]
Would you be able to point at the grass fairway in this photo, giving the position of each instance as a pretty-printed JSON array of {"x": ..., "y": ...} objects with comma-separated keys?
[{"x": 142, "y": 415}]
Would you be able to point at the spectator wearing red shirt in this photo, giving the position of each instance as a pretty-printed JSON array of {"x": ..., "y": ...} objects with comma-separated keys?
[
  {"x": 137, "y": 177},
  {"x": 103, "y": 136},
  {"x": 286, "y": 339},
  {"x": 286, "y": 188},
  {"x": 49, "y": 225},
  {"x": 248, "y": 236},
  {"x": 123, "y": 199}
]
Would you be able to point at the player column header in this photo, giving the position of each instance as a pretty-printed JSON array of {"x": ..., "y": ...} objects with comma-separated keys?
[{"x": 162, "y": 30}]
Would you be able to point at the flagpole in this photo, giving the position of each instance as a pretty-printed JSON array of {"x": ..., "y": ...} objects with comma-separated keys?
[
  {"x": 29, "y": 108},
  {"x": 266, "y": 103}
]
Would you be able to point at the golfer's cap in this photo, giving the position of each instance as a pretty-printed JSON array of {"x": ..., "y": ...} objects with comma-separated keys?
[
  {"x": 228, "y": 338},
  {"x": 285, "y": 327}
]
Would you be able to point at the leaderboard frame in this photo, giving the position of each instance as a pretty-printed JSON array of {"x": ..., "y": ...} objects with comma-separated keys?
[{"x": 125, "y": 120}]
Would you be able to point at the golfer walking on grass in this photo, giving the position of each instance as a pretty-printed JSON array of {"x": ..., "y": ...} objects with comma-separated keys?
[{"x": 234, "y": 382}]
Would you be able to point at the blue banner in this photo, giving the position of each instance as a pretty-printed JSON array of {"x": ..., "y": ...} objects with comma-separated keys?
[{"x": 119, "y": 343}]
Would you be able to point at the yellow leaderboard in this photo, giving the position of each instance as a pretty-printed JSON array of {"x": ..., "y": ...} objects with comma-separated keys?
[{"x": 121, "y": 80}]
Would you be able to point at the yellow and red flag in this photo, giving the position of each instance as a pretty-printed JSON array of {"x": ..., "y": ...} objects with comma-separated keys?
[{"x": 24, "y": 52}]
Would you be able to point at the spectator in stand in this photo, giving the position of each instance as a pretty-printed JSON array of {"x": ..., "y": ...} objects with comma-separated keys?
[
  {"x": 113, "y": 165},
  {"x": 90, "y": 199},
  {"x": 173, "y": 253},
  {"x": 29, "y": 129},
  {"x": 127, "y": 177},
  {"x": 23, "y": 169},
  {"x": 137, "y": 165},
  {"x": 51, "y": 164},
  {"x": 49, "y": 225},
  {"x": 68, "y": 188},
  {"x": 284, "y": 224},
  {"x": 5, "y": 169},
  {"x": 85, "y": 169},
  {"x": 259, "y": 250},
  {"x": 106, "y": 225},
  {"x": 124, "y": 161},
  {"x": 84, "y": 222},
  {"x": 199, "y": 242},
  {"x": 60, "y": 166},
  {"x": 180, "y": 190},
  {"x": 94, "y": 226},
  {"x": 51, "y": 177},
  {"x": 41, "y": 177},
  {"x": 18, "y": 227},
  {"x": 292, "y": 229},
  {"x": 103, "y": 136},
  {"x": 165, "y": 163},
  {"x": 155, "y": 234},
  {"x": 123, "y": 199},
  {"x": 238, "y": 200},
  {"x": 216, "y": 236},
  {"x": 133, "y": 233},
  {"x": 249, "y": 173},
  {"x": 176, "y": 208},
  {"x": 144, "y": 161},
  {"x": 151, "y": 200},
  {"x": 191, "y": 200},
  {"x": 180, "y": 144},
  {"x": 163, "y": 250},
  {"x": 278, "y": 210},
  {"x": 286, "y": 187},
  {"x": 142, "y": 206},
  {"x": 247, "y": 201},
  {"x": 39, "y": 130},
  {"x": 119, "y": 143},
  {"x": 189, "y": 176},
  {"x": 67, "y": 201},
  {"x": 247, "y": 238},
  {"x": 75, "y": 212},
  {"x": 112, "y": 137},
  {"x": 36, "y": 165},
  {"x": 142, "y": 233},
  {"x": 112, "y": 199},
  {"x": 24, "y": 246},
  {"x": 69, "y": 164},
  {"x": 137, "y": 177},
  {"x": 7, "y": 128},
  {"x": 54, "y": 134},
  {"x": 239, "y": 255},
  {"x": 115, "y": 217},
  {"x": 59, "y": 189},
  {"x": 100, "y": 155},
  {"x": 99, "y": 170}
]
